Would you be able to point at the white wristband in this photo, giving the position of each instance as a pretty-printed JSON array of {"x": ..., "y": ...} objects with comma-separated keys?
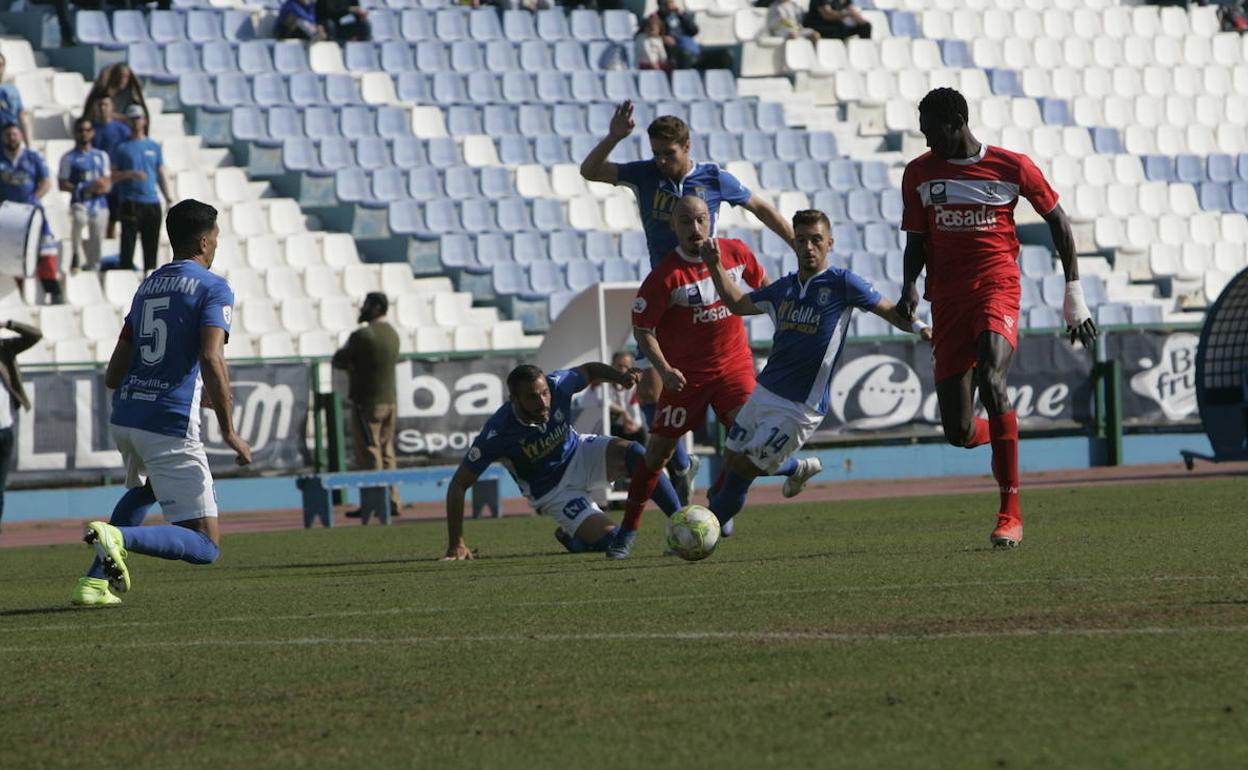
[
  {"x": 1074, "y": 307},
  {"x": 919, "y": 325}
]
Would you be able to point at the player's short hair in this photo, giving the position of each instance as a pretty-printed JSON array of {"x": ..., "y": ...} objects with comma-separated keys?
[
  {"x": 669, "y": 128},
  {"x": 946, "y": 105},
  {"x": 83, "y": 119},
  {"x": 809, "y": 217},
  {"x": 522, "y": 374},
  {"x": 187, "y": 222},
  {"x": 617, "y": 355},
  {"x": 379, "y": 299},
  {"x": 9, "y": 125}
]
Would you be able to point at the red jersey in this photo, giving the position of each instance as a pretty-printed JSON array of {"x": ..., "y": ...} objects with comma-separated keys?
[
  {"x": 697, "y": 333},
  {"x": 965, "y": 210}
]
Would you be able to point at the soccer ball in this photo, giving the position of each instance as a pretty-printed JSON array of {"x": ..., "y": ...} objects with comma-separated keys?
[{"x": 693, "y": 532}]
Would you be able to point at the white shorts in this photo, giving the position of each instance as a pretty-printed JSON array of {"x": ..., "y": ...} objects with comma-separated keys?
[
  {"x": 177, "y": 468},
  {"x": 770, "y": 429},
  {"x": 572, "y": 501}
]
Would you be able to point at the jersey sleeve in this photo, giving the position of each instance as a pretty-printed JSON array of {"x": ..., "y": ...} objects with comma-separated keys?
[
  {"x": 1034, "y": 187},
  {"x": 859, "y": 292},
  {"x": 65, "y": 170},
  {"x": 651, "y": 303},
  {"x": 913, "y": 216},
  {"x": 568, "y": 381},
  {"x": 634, "y": 173},
  {"x": 219, "y": 306},
  {"x": 483, "y": 451},
  {"x": 731, "y": 189},
  {"x": 767, "y": 298}
]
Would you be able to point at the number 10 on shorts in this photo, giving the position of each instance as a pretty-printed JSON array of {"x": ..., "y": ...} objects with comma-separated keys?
[{"x": 672, "y": 417}]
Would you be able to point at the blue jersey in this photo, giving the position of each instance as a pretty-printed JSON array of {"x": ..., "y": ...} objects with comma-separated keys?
[
  {"x": 160, "y": 392},
  {"x": 20, "y": 177},
  {"x": 10, "y": 105},
  {"x": 811, "y": 321},
  {"x": 657, "y": 196},
  {"x": 138, "y": 155},
  {"x": 81, "y": 169},
  {"x": 108, "y": 136},
  {"x": 535, "y": 455}
]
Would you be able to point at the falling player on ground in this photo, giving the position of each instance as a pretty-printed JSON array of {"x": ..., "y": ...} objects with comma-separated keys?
[
  {"x": 555, "y": 467},
  {"x": 177, "y": 328},
  {"x": 811, "y": 310},
  {"x": 958, "y": 214},
  {"x": 699, "y": 348}
]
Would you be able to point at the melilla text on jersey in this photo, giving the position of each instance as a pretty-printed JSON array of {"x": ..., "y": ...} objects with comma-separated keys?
[
  {"x": 169, "y": 284},
  {"x": 799, "y": 318},
  {"x": 534, "y": 450}
]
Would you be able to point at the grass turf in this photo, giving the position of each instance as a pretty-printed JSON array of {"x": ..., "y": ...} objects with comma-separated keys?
[{"x": 858, "y": 634}]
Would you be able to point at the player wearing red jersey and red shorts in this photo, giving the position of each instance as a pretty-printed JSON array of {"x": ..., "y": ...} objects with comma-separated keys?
[
  {"x": 958, "y": 214},
  {"x": 695, "y": 343}
]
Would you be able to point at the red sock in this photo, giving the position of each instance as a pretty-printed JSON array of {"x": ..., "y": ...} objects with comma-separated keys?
[
  {"x": 1004, "y": 430},
  {"x": 982, "y": 434},
  {"x": 640, "y": 488}
]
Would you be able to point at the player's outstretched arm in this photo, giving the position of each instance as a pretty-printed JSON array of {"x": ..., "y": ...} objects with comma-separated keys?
[
  {"x": 770, "y": 217},
  {"x": 913, "y": 262},
  {"x": 596, "y": 167},
  {"x": 729, "y": 292},
  {"x": 648, "y": 343},
  {"x": 461, "y": 482},
  {"x": 595, "y": 372},
  {"x": 1079, "y": 323},
  {"x": 217, "y": 384},
  {"x": 890, "y": 312},
  {"x": 27, "y": 336}
]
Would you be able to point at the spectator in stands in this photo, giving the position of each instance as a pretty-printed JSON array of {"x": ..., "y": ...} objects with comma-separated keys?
[
  {"x": 625, "y": 411},
  {"x": 138, "y": 169},
  {"x": 119, "y": 83},
  {"x": 369, "y": 359},
  {"x": 110, "y": 131},
  {"x": 296, "y": 20},
  {"x": 1233, "y": 16},
  {"x": 344, "y": 20},
  {"x": 24, "y": 179},
  {"x": 12, "y": 393},
  {"x": 86, "y": 176},
  {"x": 837, "y": 19},
  {"x": 651, "y": 46},
  {"x": 679, "y": 35},
  {"x": 63, "y": 19},
  {"x": 11, "y": 108},
  {"x": 784, "y": 19}
]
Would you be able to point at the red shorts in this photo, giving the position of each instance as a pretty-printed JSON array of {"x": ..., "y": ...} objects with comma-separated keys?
[
  {"x": 957, "y": 324},
  {"x": 680, "y": 411}
]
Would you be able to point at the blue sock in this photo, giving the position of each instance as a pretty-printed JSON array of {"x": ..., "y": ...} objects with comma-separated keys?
[
  {"x": 730, "y": 498},
  {"x": 130, "y": 511},
  {"x": 680, "y": 460},
  {"x": 577, "y": 545},
  {"x": 171, "y": 542},
  {"x": 788, "y": 469},
  {"x": 664, "y": 493},
  {"x": 649, "y": 411}
]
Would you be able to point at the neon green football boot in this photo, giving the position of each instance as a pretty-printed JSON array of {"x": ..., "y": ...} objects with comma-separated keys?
[
  {"x": 93, "y": 592},
  {"x": 110, "y": 548}
]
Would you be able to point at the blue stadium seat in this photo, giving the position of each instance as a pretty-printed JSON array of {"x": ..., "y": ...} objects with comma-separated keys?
[
  {"x": 477, "y": 215},
  {"x": 895, "y": 265},
  {"x": 570, "y": 57},
  {"x": 670, "y": 108},
  {"x": 904, "y": 24},
  {"x": 1242, "y": 164},
  {"x": 598, "y": 116},
  {"x": 569, "y": 119},
  {"x": 705, "y": 117},
  {"x": 416, "y": 25},
  {"x": 285, "y": 122},
  {"x": 773, "y": 245},
  {"x": 290, "y": 58},
  {"x": 443, "y": 153},
  {"x": 1239, "y": 197},
  {"x": 832, "y": 203},
  {"x": 423, "y": 184},
  {"x": 499, "y": 120},
  {"x": 217, "y": 57},
  {"x": 463, "y": 119},
  {"x": 351, "y": 185},
  {"x": 619, "y": 85},
  {"x": 483, "y": 88},
  {"x": 409, "y": 152},
  {"x": 552, "y": 87},
  {"x": 791, "y": 145},
  {"x": 234, "y": 90},
  {"x": 513, "y": 215},
  {"x": 722, "y": 147},
  {"x": 687, "y": 86},
  {"x": 414, "y": 87},
  {"x": 867, "y": 265},
  {"x": 822, "y": 145},
  {"x": 269, "y": 90},
  {"x": 461, "y": 183},
  {"x": 466, "y": 56},
  {"x": 147, "y": 61},
  {"x": 757, "y": 146},
  {"x": 535, "y": 56},
  {"x": 1221, "y": 168},
  {"x": 549, "y": 215},
  {"x": 1035, "y": 261},
  {"x": 600, "y": 246},
  {"x": 373, "y": 152},
  {"x": 847, "y": 236},
  {"x": 385, "y": 24},
  {"x": 875, "y": 175},
  {"x": 321, "y": 122},
  {"x": 771, "y": 116},
  {"x": 1190, "y": 169},
  {"x": 307, "y": 89},
  {"x": 442, "y": 216},
  {"x": 1107, "y": 141},
  {"x": 775, "y": 175},
  {"x": 1112, "y": 314},
  {"x": 751, "y": 238},
  {"x": 1159, "y": 168},
  {"x": 618, "y": 271},
  {"x": 492, "y": 248},
  {"x": 255, "y": 57},
  {"x": 721, "y": 86},
  {"x": 618, "y": 25},
  {"x": 299, "y": 154},
  {"x": 455, "y": 250},
  {"x": 130, "y": 27},
  {"x": 518, "y": 87},
  {"x": 484, "y": 25},
  {"x": 248, "y": 124},
  {"x": 514, "y": 150},
  {"x": 432, "y": 56},
  {"x": 582, "y": 274},
  {"x": 450, "y": 24},
  {"x": 527, "y": 248},
  {"x": 509, "y": 278},
  {"x": 879, "y": 238},
  {"x": 397, "y": 58},
  {"x": 357, "y": 122},
  {"x": 167, "y": 26},
  {"x": 535, "y": 120},
  {"x": 1004, "y": 82},
  {"x": 653, "y": 86},
  {"x": 449, "y": 88},
  {"x": 809, "y": 178},
  {"x": 502, "y": 56},
  {"x": 201, "y": 26},
  {"x": 956, "y": 54},
  {"x": 604, "y": 55},
  {"x": 406, "y": 218},
  {"x": 361, "y": 57},
  {"x": 1031, "y": 292},
  {"x": 238, "y": 25},
  {"x": 739, "y": 116},
  {"x": 195, "y": 90},
  {"x": 1056, "y": 112},
  {"x": 393, "y": 122},
  {"x": 518, "y": 25},
  {"x": 625, "y": 152},
  {"x": 633, "y": 246},
  {"x": 546, "y": 278},
  {"x": 388, "y": 185},
  {"x": 1215, "y": 197},
  {"x": 496, "y": 182},
  {"x": 1145, "y": 314},
  {"x": 552, "y": 24},
  {"x": 336, "y": 153},
  {"x": 890, "y": 205},
  {"x": 585, "y": 25},
  {"x": 863, "y": 207}
]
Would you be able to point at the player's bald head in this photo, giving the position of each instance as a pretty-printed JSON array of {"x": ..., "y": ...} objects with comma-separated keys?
[{"x": 690, "y": 204}]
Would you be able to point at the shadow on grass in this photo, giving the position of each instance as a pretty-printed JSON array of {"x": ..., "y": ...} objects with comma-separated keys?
[{"x": 39, "y": 611}]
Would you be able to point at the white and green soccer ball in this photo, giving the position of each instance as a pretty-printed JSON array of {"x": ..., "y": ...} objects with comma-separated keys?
[{"x": 693, "y": 532}]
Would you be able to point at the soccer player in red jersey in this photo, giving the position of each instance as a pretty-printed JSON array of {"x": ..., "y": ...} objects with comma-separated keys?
[
  {"x": 958, "y": 213},
  {"x": 698, "y": 347}
]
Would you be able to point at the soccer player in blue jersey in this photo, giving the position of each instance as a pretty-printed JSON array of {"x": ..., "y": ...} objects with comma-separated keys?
[
  {"x": 176, "y": 330},
  {"x": 85, "y": 175},
  {"x": 658, "y": 184},
  {"x": 555, "y": 467},
  {"x": 811, "y": 310}
]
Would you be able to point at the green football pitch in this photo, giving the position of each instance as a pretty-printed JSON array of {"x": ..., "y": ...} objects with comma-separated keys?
[{"x": 876, "y": 634}]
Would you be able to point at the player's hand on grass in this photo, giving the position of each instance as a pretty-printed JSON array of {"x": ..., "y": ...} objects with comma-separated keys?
[
  {"x": 908, "y": 302},
  {"x": 673, "y": 380},
  {"x": 242, "y": 450},
  {"x": 459, "y": 552},
  {"x": 622, "y": 123},
  {"x": 709, "y": 251}
]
